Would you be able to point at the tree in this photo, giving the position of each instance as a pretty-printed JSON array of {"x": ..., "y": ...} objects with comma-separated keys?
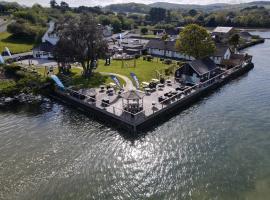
[
  {"x": 53, "y": 4},
  {"x": 234, "y": 40},
  {"x": 192, "y": 12},
  {"x": 81, "y": 40},
  {"x": 64, "y": 6},
  {"x": 195, "y": 41},
  {"x": 144, "y": 30},
  {"x": 157, "y": 14}
]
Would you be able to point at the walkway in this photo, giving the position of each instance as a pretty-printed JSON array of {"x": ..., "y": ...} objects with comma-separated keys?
[{"x": 129, "y": 85}]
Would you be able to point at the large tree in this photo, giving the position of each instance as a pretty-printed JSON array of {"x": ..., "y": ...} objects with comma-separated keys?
[
  {"x": 81, "y": 40},
  {"x": 195, "y": 41}
]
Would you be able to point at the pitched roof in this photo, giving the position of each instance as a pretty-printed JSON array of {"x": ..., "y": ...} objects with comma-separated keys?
[
  {"x": 162, "y": 45},
  {"x": 222, "y": 29},
  {"x": 220, "y": 50},
  {"x": 245, "y": 34},
  {"x": 45, "y": 46},
  {"x": 202, "y": 66},
  {"x": 133, "y": 95}
]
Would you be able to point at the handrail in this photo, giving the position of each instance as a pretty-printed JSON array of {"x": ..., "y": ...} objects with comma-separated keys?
[
  {"x": 134, "y": 115},
  {"x": 204, "y": 84}
]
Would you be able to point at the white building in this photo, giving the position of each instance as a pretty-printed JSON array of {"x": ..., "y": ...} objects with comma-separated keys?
[
  {"x": 167, "y": 49},
  {"x": 51, "y": 36},
  {"x": 223, "y": 52}
]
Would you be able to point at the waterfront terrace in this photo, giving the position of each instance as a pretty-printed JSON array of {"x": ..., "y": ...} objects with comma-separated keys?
[{"x": 134, "y": 109}]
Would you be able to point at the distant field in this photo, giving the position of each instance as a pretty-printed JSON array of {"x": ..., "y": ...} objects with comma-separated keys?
[{"x": 15, "y": 45}]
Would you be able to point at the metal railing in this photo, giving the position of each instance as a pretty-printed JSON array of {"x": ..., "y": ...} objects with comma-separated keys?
[
  {"x": 188, "y": 91},
  {"x": 107, "y": 107},
  {"x": 141, "y": 115}
]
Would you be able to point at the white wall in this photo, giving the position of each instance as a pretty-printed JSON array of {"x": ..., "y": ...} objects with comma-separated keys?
[
  {"x": 170, "y": 54},
  {"x": 52, "y": 38},
  {"x": 42, "y": 54}
]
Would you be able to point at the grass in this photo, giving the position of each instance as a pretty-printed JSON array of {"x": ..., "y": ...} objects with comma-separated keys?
[
  {"x": 96, "y": 80},
  {"x": 150, "y": 36},
  {"x": 145, "y": 70},
  {"x": 4, "y": 84},
  {"x": 15, "y": 45}
]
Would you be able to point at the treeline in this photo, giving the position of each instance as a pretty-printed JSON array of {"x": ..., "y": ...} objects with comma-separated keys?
[
  {"x": 31, "y": 22},
  {"x": 249, "y": 17}
]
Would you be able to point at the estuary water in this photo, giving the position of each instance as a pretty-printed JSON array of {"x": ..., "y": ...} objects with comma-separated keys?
[{"x": 219, "y": 148}]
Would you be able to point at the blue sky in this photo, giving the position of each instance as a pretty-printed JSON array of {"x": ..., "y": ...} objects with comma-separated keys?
[{"x": 106, "y": 2}]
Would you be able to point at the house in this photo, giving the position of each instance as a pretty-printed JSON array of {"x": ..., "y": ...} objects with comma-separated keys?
[
  {"x": 222, "y": 34},
  {"x": 245, "y": 35},
  {"x": 44, "y": 51},
  {"x": 237, "y": 60},
  {"x": 133, "y": 49},
  {"x": 158, "y": 31},
  {"x": 223, "y": 52},
  {"x": 197, "y": 71},
  {"x": 49, "y": 40},
  {"x": 167, "y": 49},
  {"x": 50, "y": 35}
]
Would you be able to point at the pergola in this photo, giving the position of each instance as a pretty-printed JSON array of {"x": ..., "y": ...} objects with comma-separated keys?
[{"x": 132, "y": 101}]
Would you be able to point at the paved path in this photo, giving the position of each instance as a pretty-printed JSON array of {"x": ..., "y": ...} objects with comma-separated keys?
[{"x": 129, "y": 84}]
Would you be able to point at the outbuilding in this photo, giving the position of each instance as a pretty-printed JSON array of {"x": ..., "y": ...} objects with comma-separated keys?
[{"x": 196, "y": 71}]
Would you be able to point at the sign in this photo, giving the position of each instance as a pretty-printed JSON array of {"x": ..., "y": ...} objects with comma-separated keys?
[
  {"x": 8, "y": 51},
  {"x": 135, "y": 78},
  {"x": 2, "y": 61},
  {"x": 116, "y": 80}
]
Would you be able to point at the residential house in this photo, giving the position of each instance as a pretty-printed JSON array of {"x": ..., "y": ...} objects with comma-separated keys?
[
  {"x": 222, "y": 34},
  {"x": 223, "y": 52},
  {"x": 50, "y": 35},
  {"x": 44, "y": 51},
  {"x": 166, "y": 49},
  {"x": 197, "y": 71},
  {"x": 245, "y": 35},
  {"x": 50, "y": 39}
]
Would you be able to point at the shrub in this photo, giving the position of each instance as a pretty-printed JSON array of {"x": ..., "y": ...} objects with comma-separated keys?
[
  {"x": 167, "y": 62},
  {"x": 137, "y": 56},
  {"x": 149, "y": 58}
]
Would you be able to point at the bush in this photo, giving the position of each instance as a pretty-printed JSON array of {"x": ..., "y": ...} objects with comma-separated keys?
[
  {"x": 137, "y": 56},
  {"x": 162, "y": 80},
  {"x": 11, "y": 70},
  {"x": 167, "y": 62},
  {"x": 149, "y": 58},
  {"x": 144, "y": 30}
]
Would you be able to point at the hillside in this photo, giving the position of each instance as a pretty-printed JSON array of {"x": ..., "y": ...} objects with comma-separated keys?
[
  {"x": 209, "y": 7},
  {"x": 143, "y": 8}
]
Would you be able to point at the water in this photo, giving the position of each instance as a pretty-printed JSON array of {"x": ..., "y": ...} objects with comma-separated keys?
[{"x": 217, "y": 149}]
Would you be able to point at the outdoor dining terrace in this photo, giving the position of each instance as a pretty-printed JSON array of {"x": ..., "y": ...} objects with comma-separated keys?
[{"x": 134, "y": 106}]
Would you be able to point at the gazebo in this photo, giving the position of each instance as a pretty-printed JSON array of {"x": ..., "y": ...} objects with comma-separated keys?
[{"x": 132, "y": 101}]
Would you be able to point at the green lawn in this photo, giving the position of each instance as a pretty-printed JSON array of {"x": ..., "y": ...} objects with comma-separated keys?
[
  {"x": 81, "y": 82},
  {"x": 6, "y": 84},
  {"x": 15, "y": 45},
  {"x": 144, "y": 70}
]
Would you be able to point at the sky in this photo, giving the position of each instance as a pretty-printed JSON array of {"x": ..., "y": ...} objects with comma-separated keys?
[{"x": 75, "y": 3}]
